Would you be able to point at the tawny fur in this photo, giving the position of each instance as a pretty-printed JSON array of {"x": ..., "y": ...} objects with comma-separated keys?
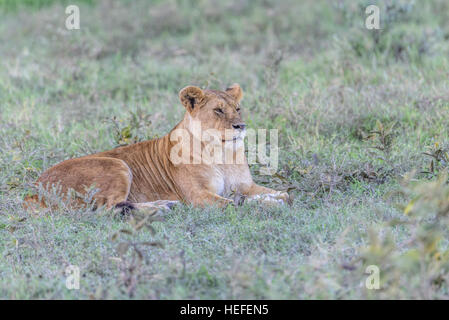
[{"x": 143, "y": 172}]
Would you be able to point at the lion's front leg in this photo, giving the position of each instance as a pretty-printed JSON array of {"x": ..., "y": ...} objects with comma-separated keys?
[
  {"x": 265, "y": 195},
  {"x": 207, "y": 197}
]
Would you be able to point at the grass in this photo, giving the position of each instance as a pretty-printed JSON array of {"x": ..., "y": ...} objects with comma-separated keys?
[{"x": 356, "y": 110}]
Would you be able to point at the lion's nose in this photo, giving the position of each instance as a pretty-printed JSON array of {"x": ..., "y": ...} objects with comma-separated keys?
[{"x": 239, "y": 126}]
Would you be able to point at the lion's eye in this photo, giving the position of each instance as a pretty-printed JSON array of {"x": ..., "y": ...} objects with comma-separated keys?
[{"x": 219, "y": 111}]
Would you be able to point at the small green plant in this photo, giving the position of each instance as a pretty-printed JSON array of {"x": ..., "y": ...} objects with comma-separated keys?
[
  {"x": 131, "y": 130},
  {"x": 439, "y": 155},
  {"x": 382, "y": 138},
  {"x": 131, "y": 252}
]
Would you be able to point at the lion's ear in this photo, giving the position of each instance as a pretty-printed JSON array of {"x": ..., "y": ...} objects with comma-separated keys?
[
  {"x": 235, "y": 91},
  {"x": 190, "y": 97}
]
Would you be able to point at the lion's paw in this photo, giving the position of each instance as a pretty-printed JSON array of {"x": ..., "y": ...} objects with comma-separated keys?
[{"x": 271, "y": 198}]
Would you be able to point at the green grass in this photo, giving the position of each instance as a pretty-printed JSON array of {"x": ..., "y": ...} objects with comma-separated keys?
[{"x": 309, "y": 69}]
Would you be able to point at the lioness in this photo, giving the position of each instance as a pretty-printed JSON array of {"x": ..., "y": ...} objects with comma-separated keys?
[{"x": 144, "y": 175}]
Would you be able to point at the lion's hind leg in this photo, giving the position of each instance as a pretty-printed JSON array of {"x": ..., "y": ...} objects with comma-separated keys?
[{"x": 111, "y": 179}]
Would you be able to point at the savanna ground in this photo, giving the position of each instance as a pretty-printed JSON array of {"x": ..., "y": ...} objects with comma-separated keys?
[{"x": 363, "y": 133}]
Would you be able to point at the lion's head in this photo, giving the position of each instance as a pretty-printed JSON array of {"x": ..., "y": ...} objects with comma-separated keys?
[{"x": 217, "y": 111}]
